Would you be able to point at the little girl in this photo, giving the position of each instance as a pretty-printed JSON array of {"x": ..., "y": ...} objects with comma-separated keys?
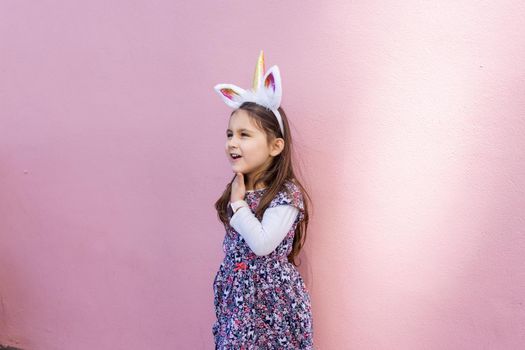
[{"x": 261, "y": 301}]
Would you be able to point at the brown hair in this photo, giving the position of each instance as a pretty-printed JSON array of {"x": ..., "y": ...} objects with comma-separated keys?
[{"x": 275, "y": 176}]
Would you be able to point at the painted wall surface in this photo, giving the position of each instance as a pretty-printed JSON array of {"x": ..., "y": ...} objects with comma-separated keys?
[{"x": 408, "y": 119}]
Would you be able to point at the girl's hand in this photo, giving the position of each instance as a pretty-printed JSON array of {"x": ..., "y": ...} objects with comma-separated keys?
[{"x": 238, "y": 189}]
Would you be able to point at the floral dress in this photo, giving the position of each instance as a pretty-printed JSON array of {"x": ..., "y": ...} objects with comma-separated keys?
[{"x": 261, "y": 302}]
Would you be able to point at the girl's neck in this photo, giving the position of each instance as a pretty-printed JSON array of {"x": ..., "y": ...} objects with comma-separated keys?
[
  {"x": 259, "y": 187},
  {"x": 249, "y": 186}
]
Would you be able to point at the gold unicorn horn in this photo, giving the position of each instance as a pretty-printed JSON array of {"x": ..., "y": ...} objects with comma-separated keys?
[{"x": 259, "y": 71}]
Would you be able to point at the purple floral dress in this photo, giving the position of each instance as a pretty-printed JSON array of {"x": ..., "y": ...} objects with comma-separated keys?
[{"x": 261, "y": 302}]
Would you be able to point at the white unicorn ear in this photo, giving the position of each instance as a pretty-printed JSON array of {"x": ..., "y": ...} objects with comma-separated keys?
[
  {"x": 272, "y": 85},
  {"x": 231, "y": 94}
]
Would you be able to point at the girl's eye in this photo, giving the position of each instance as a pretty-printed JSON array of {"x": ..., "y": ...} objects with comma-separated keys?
[{"x": 243, "y": 134}]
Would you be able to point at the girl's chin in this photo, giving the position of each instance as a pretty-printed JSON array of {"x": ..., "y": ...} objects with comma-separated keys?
[{"x": 235, "y": 170}]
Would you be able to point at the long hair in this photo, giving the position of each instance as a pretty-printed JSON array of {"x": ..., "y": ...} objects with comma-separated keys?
[{"x": 279, "y": 171}]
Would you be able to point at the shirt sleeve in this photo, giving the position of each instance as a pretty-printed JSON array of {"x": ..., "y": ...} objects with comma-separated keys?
[{"x": 264, "y": 236}]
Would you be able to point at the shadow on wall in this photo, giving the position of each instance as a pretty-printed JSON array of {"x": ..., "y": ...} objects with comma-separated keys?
[{"x": 2, "y": 347}]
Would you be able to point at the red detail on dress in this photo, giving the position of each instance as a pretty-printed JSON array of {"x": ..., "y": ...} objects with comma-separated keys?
[{"x": 240, "y": 266}]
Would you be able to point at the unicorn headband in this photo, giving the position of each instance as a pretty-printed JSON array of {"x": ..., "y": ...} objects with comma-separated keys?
[{"x": 267, "y": 90}]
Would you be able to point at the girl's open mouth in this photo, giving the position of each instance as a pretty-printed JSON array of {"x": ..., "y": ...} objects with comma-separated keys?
[{"x": 235, "y": 157}]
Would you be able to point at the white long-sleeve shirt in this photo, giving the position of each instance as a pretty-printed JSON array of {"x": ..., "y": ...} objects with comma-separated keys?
[{"x": 264, "y": 236}]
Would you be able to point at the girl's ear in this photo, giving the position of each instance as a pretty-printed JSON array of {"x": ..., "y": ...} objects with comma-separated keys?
[
  {"x": 230, "y": 94},
  {"x": 272, "y": 84},
  {"x": 277, "y": 146}
]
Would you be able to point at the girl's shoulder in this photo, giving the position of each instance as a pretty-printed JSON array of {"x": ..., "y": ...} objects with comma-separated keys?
[
  {"x": 291, "y": 185},
  {"x": 290, "y": 194}
]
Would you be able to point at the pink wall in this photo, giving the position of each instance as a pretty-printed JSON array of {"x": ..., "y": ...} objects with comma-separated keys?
[{"x": 409, "y": 124}]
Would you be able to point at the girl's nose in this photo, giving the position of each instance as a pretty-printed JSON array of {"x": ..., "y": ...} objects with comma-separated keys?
[{"x": 232, "y": 143}]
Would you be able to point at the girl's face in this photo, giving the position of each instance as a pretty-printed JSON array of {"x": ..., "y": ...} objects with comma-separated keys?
[{"x": 245, "y": 139}]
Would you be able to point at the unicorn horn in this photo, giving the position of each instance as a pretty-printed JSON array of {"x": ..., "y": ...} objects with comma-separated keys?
[{"x": 259, "y": 72}]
